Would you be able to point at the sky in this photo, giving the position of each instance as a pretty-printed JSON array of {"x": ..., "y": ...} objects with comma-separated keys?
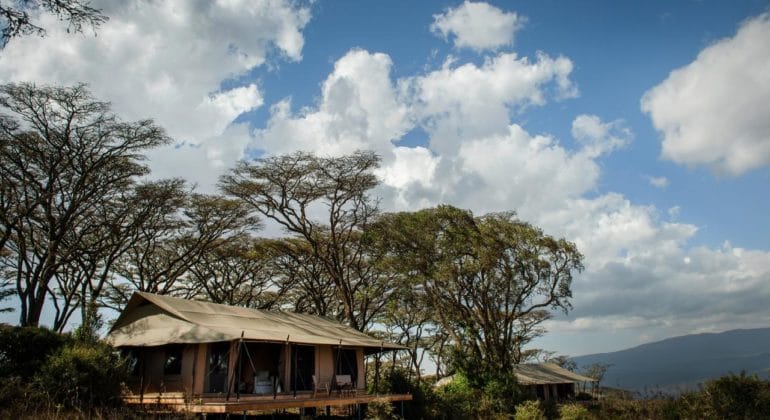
[{"x": 638, "y": 130}]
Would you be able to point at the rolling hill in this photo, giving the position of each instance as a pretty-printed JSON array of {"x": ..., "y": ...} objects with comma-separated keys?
[{"x": 681, "y": 363}]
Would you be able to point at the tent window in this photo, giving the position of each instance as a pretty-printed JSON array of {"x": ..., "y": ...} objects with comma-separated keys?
[{"x": 173, "y": 364}]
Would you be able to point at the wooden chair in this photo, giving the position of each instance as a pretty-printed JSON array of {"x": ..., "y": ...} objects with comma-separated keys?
[
  {"x": 344, "y": 385},
  {"x": 321, "y": 384}
]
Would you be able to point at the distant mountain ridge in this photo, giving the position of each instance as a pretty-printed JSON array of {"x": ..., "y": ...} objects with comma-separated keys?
[{"x": 681, "y": 363}]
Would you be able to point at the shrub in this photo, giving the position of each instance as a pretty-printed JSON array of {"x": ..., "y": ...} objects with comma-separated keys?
[
  {"x": 82, "y": 376},
  {"x": 424, "y": 403},
  {"x": 737, "y": 396},
  {"x": 458, "y": 399},
  {"x": 24, "y": 350},
  {"x": 573, "y": 412},
  {"x": 380, "y": 410},
  {"x": 529, "y": 410},
  {"x": 501, "y": 393}
]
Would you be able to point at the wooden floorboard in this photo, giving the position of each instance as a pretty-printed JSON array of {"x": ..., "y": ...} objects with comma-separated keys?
[{"x": 252, "y": 404}]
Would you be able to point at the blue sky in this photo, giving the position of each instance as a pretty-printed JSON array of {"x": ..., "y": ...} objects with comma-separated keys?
[{"x": 639, "y": 130}]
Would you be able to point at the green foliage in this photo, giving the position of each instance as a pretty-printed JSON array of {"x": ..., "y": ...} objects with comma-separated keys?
[
  {"x": 88, "y": 331},
  {"x": 737, "y": 397},
  {"x": 424, "y": 404},
  {"x": 458, "y": 399},
  {"x": 529, "y": 410},
  {"x": 42, "y": 371},
  {"x": 83, "y": 375},
  {"x": 490, "y": 396},
  {"x": 491, "y": 281},
  {"x": 728, "y": 397},
  {"x": 23, "y": 350},
  {"x": 380, "y": 410},
  {"x": 501, "y": 393},
  {"x": 574, "y": 412}
]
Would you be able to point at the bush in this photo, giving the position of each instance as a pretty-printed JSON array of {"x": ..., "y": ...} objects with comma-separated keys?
[
  {"x": 81, "y": 376},
  {"x": 458, "y": 399},
  {"x": 529, "y": 410},
  {"x": 24, "y": 350},
  {"x": 424, "y": 403},
  {"x": 501, "y": 393},
  {"x": 738, "y": 397},
  {"x": 573, "y": 412},
  {"x": 380, "y": 410}
]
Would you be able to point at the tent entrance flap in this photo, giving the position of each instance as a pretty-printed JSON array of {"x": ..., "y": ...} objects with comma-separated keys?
[
  {"x": 303, "y": 367},
  {"x": 217, "y": 367}
]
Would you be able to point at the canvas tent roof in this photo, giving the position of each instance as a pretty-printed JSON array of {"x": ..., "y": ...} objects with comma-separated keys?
[
  {"x": 547, "y": 373},
  {"x": 153, "y": 320}
]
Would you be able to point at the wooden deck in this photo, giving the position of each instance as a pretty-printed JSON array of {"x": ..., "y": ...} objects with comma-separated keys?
[{"x": 211, "y": 404}]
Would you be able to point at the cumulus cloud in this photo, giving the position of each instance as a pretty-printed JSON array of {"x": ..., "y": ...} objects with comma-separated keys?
[
  {"x": 700, "y": 289},
  {"x": 466, "y": 112},
  {"x": 464, "y": 101},
  {"x": 167, "y": 60},
  {"x": 714, "y": 110},
  {"x": 478, "y": 26},
  {"x": 358, "y": 109},
  {"x": 599, "y": 137}
]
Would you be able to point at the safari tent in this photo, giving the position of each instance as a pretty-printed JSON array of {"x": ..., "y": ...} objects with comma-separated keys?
[
  {"x": 230, "y": 359},
  {"x": 548, "y": 381}
]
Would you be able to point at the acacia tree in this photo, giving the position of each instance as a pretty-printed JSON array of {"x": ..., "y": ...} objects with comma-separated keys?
[
  {"x": 239, "y": 271},
  {"x": 115, "y": 228},
  {"x": 63, "y": 156},
  {"x": 308, "y": 287},
  {"x": 289, "y": 189},
  {"x": 168, "y": 244},
  {"x": 408, "y": 321},
  {"x": 490, "y": 281}
]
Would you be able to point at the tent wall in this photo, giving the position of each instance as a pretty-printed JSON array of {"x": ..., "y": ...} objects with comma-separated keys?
[
  {"x": 361, "y": 380},
  {"x": 199, "y": 376},
  {"x": 324, "y": 362},
  {"x": 192, "y": 375},
  {"x": 151, "y": 372}
]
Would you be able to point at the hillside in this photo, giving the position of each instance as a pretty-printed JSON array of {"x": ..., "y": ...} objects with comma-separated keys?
[{"x": 679, "y": 363}]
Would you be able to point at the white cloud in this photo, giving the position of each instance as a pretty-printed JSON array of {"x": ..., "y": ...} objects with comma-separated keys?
[
  {"x": 714, "y": 110},
  {"x": 530, "y": 174},
  {"x": 599, "y": 137},
  {"x": 478, "y": 26},
  {"x": 408, "y": 177},
  {"x": 469, "y": 101},
  {"x": 358, "y": 109},
  {"x": 658, "y": 181},
  {"x": 685, "y": 290},
  {"x": 167, "y": 60}
]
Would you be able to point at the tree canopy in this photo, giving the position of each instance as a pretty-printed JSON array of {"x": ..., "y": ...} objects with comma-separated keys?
[
  {"x": 81, "y": 226},
  {"x": 66, "y": 159},
  {"x": 490, "y": 281}
]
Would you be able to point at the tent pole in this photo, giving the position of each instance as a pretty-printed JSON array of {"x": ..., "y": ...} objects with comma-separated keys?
[
  {"x": 286, "y": 361},
  {"x": 377, "y": 370},
  {"x": 239, "y": 374},
  {"x": 294, "y": 358},
  {"x": 141, "y": 380}
]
